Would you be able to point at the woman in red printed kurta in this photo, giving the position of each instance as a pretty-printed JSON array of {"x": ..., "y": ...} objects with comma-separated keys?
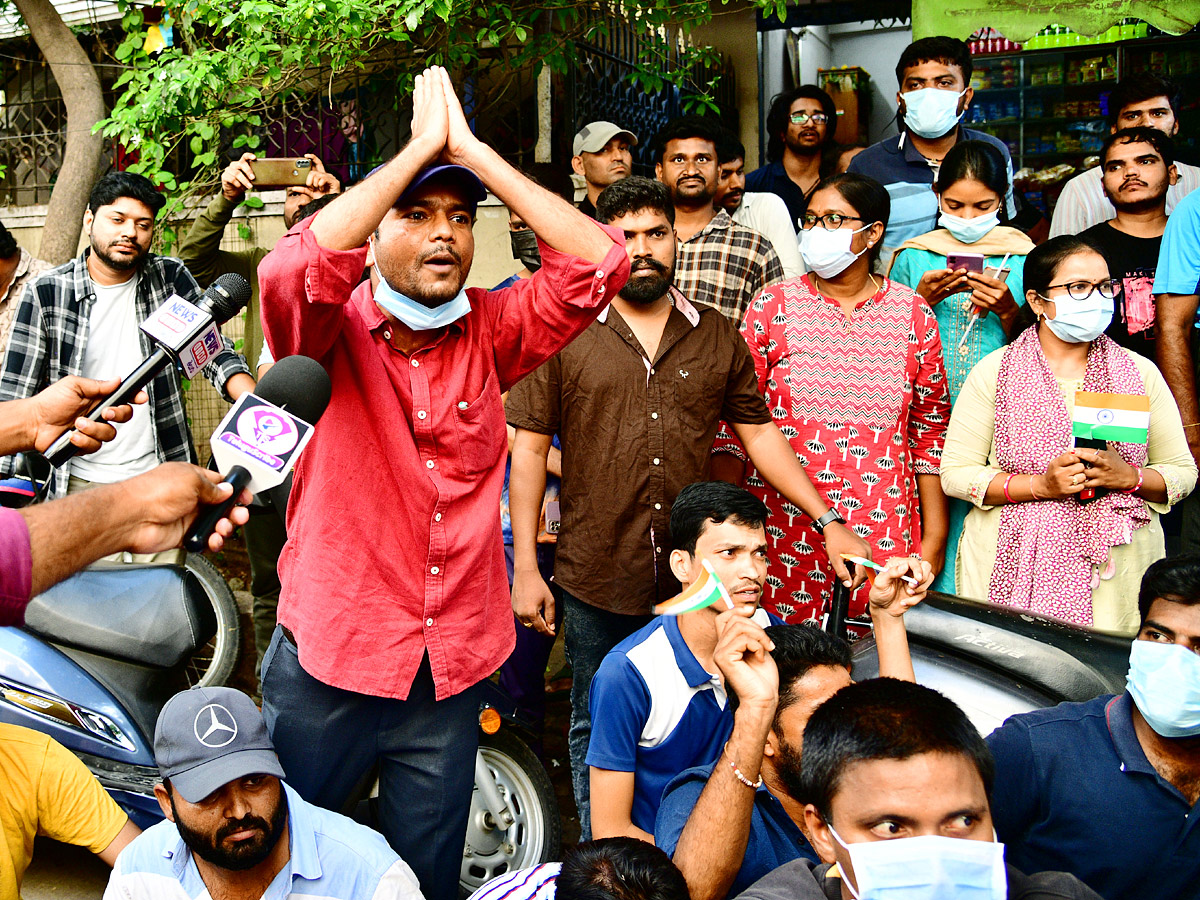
[{"x": 862, "y": 397}]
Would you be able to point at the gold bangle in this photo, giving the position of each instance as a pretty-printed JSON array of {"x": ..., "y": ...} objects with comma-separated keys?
[{"x": 1193, "y": 425}]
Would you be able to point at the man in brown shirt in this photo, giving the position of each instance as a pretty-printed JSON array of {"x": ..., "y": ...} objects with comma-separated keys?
[{"x": 635, "y": 400}]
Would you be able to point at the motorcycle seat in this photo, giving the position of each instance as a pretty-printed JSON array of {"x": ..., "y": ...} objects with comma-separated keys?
[{"x": 156, "y": 615}]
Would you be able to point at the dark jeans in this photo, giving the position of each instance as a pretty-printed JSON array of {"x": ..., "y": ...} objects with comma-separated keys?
[
  {"x": 591, "y": 633},
  {"x": 523, "y": 674},
  {"x": 265, "y": 536},
  {"x": 327, "y": 739}
]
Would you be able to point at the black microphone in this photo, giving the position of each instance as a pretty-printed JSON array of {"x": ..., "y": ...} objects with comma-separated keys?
[
  {"x": 260, "y": 438},
  {"x": 181, "y": 332}
]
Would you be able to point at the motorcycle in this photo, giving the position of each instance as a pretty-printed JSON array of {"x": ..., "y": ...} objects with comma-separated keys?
[{"x": 101, "y": 653}]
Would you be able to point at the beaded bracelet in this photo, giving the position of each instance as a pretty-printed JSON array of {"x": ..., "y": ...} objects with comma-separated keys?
[
  {"x": 1008, "y": 497},
  {"x": 737, "y": 773},
  {"x": 1137, "y": 487}
]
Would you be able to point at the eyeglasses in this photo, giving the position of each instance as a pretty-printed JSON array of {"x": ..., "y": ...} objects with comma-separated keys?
[
  {"x": 803, "y": 118},
  {"x": 829, "y": 221},
  {"x": 1081, "y": 290}
]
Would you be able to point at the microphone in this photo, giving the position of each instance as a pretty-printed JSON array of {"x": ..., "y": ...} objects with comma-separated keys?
[
  {"x": 181, "y": 331},
  {"x": 261, "y": 436}
]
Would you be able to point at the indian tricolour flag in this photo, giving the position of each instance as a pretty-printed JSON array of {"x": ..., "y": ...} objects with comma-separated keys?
[
  {"x": 704, "y": 592},
  {"x": 1112, "y": 417}
]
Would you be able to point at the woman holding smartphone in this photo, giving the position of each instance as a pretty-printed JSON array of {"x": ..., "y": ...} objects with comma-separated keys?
[
  {"x": 970, "y": 270},
  {"x": 1033, "y": 541}
]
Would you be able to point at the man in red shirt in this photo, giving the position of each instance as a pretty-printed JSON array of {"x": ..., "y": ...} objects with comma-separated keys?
[{"x": 395, "y": 599}]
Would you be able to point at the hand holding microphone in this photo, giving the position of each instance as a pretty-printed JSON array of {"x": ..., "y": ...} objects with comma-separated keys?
[{"x": 182, "y": 332}]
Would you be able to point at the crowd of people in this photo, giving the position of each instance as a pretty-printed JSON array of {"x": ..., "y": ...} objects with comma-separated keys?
[{"x": 708, "y": 374}]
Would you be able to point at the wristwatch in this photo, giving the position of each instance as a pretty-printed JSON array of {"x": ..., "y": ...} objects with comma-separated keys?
[{"x": 832, "y": 516}]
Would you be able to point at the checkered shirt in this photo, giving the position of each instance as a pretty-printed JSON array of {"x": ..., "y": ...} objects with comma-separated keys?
[
  {"x": 725, "y": 265},
  {"x": 50, "y": 336}
]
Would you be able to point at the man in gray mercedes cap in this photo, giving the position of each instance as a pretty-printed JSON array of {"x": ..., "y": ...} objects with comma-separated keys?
[
  {"x": 601, "y": 155},
  {"x": 234, "y": 829}
]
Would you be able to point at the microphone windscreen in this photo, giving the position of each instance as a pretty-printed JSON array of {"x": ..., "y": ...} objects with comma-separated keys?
[
  {"x": 298, "y": 384},
  {"x": 226, "y": 297}
]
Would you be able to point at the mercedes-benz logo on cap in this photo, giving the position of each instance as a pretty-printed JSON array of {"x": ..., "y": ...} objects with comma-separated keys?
[{"x": 215, "y": 726}]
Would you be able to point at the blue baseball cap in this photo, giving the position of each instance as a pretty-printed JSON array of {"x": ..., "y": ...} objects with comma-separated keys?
[{"x": 476, "y": 193}]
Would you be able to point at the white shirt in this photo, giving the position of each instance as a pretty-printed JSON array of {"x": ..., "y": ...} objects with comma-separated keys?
[
  {"x": 113, "y": 351},
  {"x": 768, "y": 215},
  {"x": 1083, "y": 202}
]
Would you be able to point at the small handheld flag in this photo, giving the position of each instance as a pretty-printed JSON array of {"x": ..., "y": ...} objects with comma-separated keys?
[
  {"x": 1111, "y": 417},
  {"x": 704, "y": 592},
  {"x": 860, "y": 561}
]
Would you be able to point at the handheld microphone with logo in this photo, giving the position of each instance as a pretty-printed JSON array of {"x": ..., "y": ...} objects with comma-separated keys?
[
  {"x": 258, "y": 441},
  {"x": 181, "y": 331}
]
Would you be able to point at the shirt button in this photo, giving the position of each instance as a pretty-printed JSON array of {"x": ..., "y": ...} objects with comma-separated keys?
[
  {"x": 387, "y": 335},
  {"x": 437, "y": 517},
  {"x": 421, "y": 414},
  {"x": 658, "y": 549},
  {"x": 656, "y": 460},
  {"x": 415, "y": 363},
  {"x": 599, "y": 273},
  {"x": 654, "y": 415},
  {"x": 462, "y": 404},
  {"x": 429, "y": 463},
  {"x": 651, "y": 371},
  {"x": 429, "y": 623},
  {"x": 658, "y": 506},
  {"x": 434, "y": 570}
]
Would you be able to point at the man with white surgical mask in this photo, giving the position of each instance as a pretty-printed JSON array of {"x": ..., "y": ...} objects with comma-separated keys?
[
  {"x": 895, "y": 781},
  {"x": 1108, "y": 789},
  {"x": 934, "y": 75}
]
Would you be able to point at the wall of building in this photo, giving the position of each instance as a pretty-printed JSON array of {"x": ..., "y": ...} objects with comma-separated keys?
[
  {"x": 875, "y": 49},
  {"x": 734, "y": 32}
]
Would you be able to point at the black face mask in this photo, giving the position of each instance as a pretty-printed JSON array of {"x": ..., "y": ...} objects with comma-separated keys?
[{"x": 525, "y": 249}]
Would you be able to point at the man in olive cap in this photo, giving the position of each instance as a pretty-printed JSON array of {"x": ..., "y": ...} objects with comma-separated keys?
[{"x": 601, "y": 155}]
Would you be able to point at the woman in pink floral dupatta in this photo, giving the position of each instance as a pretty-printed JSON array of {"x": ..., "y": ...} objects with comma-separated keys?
[{"x": 1031, "y": 543}]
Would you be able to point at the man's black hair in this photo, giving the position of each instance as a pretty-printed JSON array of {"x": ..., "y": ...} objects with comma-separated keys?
[
  {"x": 798, "y": 649},
  {"x": 781, "y": 107},
  {"x": 631, "y": 195},
  {"x": 729, "y": 147},
  {"x": 8, "y": 243},
  {"x": 716, "y": 502},
  {"x": 1142, "y": 134},
  {"x": 115, "y": 185},
  {"x": 619, "y": 868},
  {"x": 947, "y": 50},
  {"x": 883, "y": 718},
  {"x": 315, "y": 205},
  {"x": 1176, "y": 579},
  {"x": 1138, "y": 88},
  {"x": 683, "y": 128}
]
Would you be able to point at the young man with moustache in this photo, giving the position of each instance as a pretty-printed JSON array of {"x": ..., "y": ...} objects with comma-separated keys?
[
  {"x": 800, "y": 126},
  {"x": 635, "y": 401},
  {"x": 82, "y": 318},
  {"x": 601, "y": 154},
  {"x": 719, "y": 263},
  {"x": 1137, "y": 167},
  {"x": 725, "y": 833},
  {"x": 234, "y": 830},
  {"x": 383, "y": 639}
]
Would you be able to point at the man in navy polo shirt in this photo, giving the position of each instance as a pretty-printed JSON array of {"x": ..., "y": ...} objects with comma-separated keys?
[
  {"x": 1107, "y": 789},
  {"x": 657, "y": 708},
  {"x": 934, "y": 75},
  {"x": 732, "y": 822}
]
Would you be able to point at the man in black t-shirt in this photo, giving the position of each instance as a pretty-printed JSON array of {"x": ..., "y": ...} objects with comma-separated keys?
[{"x": 1138, "y": 165}]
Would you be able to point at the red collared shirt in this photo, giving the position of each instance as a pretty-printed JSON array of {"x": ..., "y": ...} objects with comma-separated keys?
[{"x": 394, "y": 547}]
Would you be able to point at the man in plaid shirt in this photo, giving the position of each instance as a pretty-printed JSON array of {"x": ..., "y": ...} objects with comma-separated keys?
[
  {"x": 719, "y": 263},
  {"x": 105, "y": 294}
]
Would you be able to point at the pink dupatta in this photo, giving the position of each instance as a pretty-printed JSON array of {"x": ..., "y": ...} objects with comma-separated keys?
[{"x": 1051, "y": 553}]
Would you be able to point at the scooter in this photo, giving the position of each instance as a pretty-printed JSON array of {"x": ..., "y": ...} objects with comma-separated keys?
[{"x": 101, "y": 653}]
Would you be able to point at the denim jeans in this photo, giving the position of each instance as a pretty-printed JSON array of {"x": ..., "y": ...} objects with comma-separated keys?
[
  {"x": 328, "y": 739},
  {"x": 591, "y": 633}
]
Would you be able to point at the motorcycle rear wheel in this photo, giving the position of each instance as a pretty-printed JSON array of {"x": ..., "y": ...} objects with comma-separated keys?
[
  {"x": 213, "y": 663},
  {"x": 536, "y": 833}
]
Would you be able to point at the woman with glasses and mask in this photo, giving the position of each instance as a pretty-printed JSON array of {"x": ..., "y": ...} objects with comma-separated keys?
[
  {"x": 976, "y": 311},
  {"x": 1058, "y": 528},
  {"x": 851, "y": 367}
]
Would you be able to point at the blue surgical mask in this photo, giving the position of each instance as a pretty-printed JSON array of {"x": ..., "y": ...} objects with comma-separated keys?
[
  {"x": 418, "y": 316},
  {"x": 930, "y": 867},
  {"x": 1080, "y": 321},
  {"x": 1164, "y": 681},
  {"x": 828, "y": 253},
  {"x": 931, "y": 112},
  {"x": 968, "y": 231}
]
